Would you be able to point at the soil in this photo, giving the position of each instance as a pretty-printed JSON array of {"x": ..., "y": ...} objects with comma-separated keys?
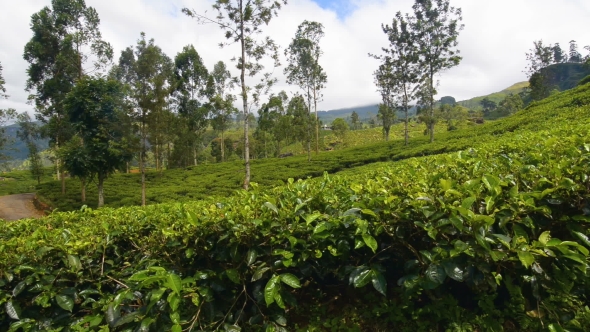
[{"x": 15, "y": 207}]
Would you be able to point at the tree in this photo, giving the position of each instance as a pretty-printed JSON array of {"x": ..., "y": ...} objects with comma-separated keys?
[
  {"x": 222, "y": 102},
  {"x": 29, "y": 133},
  {"x": 355, "y": 121},
  {"x": 304, "y": 69},
  {"x": 301, "y": 121},
  {"x": 448, "y": 100},
  {"x": 452, "y": 115},
  {"x": 399, "y": 72},
  {"x": 574, "y": 55},
  {"x": 488, "y": 106},
  {"x": 558, "y": 55},
  {"x": 242, "y": 21},
  {"x": 539, "y": 57},
  {"x": 437, "y": 29},
  {"x": 145, "y": 73},
  {"x": 340, "y": 127},
  {"x": 191, "y": 78},
  {"x": 3, "y": 94},
  {"x": 6, "y": 115},
  {"x": 511, "y": 104},
  {"x": 387, "y": 116},
  {"x": 271, "y": 122},
  {"x": 94, "y": 110},
  {"x": 66, "y": 37}
]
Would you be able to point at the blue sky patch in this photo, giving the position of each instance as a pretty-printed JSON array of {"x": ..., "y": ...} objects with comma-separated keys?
[{"x": 342, "y": 7}]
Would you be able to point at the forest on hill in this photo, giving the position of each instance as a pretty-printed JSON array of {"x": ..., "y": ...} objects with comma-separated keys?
[{"x": 175, "y": 208}]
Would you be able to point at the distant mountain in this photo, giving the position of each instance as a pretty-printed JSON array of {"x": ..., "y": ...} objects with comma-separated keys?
[
  {"x": 474, "y": 103},
  {"x": 16, "y": 149},
  {"x": 364, "y": 112}
]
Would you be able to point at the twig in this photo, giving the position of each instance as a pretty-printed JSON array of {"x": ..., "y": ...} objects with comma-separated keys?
[{"x": 117, "y": 281}]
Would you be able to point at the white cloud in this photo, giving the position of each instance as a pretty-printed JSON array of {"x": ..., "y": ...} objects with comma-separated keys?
[{"x": 497, "y": 34}]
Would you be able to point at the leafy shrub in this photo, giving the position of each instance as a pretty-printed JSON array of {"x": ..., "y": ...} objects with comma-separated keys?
[{"x": 494, "y": 238}]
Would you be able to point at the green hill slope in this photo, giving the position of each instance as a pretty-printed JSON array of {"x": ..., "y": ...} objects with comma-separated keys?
[
  {"x": 223, "y": 179},
  {"x": 493, "y": 237},
  {"x": 474, "y": 103}
]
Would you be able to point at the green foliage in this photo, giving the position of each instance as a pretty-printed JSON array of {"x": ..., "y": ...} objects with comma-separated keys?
[
  {"x": 436, "y": 26},
  {"x": 220, "y": 180},
  {"x": 493, "y": 237},
  {"x": 340, "y": 127},
  {"x": 3, "y": 94}
]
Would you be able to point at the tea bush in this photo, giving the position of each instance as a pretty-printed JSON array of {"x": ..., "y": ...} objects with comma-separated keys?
[
  {"x": 207, "y": 180},
  {"x": 491, "y": 238}
]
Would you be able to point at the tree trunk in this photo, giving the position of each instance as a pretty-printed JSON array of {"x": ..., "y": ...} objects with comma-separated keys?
[
  {"x": 431, "y": 100},
  {"x": 142, "y": 166},
  {"x": 317, "y": 123},
  {"x": 63, "y": 183},
  {"x": 157, "y": 155},
  {"x": 83, "y": 181},
  {"x": 128, "y": 168},
  {"x": 222, "y": 148},
  {"x": 244, "y": 99},
  {"x": 100, "y": 190},
  {"x": 195, "y": 156},
  {"x": 406, "y": 134}
]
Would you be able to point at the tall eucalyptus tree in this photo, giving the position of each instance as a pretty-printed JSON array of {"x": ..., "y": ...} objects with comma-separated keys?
[
  {"x": 304, "y": 70},
  {"x": 242, "y": 21},
  {"x": 66, "y": 46}
]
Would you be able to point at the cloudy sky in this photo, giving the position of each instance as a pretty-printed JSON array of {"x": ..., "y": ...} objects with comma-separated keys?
[{"x": 493, "y": 44}]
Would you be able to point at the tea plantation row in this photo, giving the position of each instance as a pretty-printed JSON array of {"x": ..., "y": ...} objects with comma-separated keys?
[
  {"x": 223, "y": 179},
  {"x": 493, "y": 238}
]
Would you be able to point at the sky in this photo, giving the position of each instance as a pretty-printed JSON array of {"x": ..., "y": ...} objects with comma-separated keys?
[{"x": 493, "y": 44}]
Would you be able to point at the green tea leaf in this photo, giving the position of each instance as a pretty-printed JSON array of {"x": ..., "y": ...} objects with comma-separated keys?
[
  {"x": 174, "y": 301},
  {"x": 174, "y": 283},
  {"x": 370, "y": 242},
  {"x": 290, "y": 280},
  {"x": 545, "y": 237},
  {"x": 505, "y": 240},
  {"x": 251, "y": 257},
  {"x": 233, "y": 275},
  {"x": 112, "y": 314},
  {"x": 311, "y": 218},
  {"x": 379, "y": 282},
  {"x": 74, "y": 262},
  {"x": 526, "y": 258},
  {"x": 363, "y": 278},
  {"x": 19, "y": 288},
  {"x": 453, "y": 271},
  {"x": 271, "y": 207},
  {"x": 12, "y": 310},
  {"x": 468, "y": 202},
  {"x": 65, "y": 302},
  {"x": 436, "y": 274},
  {"x": 270, "y": 290}
]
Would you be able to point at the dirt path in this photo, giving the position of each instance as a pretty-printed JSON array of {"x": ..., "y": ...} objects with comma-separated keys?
[{"x": 15, "y": 207}]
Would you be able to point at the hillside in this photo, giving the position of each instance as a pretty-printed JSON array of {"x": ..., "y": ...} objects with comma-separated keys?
[
  {"x": 366, "y": 112},
  {"x": 15, "y": 148},
  {"x": 564, "y": 76},
  {"x": 484, "y": 230},
  {"x": 222, "y": 179},
  {"x": 474, "y": 103}
]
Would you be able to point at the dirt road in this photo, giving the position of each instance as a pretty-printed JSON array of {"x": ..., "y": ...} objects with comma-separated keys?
[{"x": 15, "y": 207}]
